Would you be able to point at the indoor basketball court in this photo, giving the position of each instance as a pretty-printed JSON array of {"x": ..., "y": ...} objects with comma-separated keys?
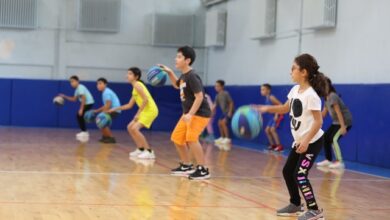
[{"x": 194, "y": 110}]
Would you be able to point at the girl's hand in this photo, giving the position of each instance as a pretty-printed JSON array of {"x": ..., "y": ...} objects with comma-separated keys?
[
  {"x": 302, "y": 147},
  {"x": 263, "y": 108},
  {"x": 136, "y": 117},
  {"x": 343, "y": 130}
]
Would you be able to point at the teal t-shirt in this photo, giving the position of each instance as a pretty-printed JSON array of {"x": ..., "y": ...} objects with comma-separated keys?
[
  {"x": 109, "y": 95},
  {"x": 81, "y": 90}
]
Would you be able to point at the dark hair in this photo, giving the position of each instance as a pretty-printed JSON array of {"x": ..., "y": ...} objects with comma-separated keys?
[
  {"x": 74, "y": 77},
  {"x": 221, "y": 82},
  {"x": 188, "y": 52},
  {"x": 267, "y": 85},
  {"x": 316, "y": 79},
  {"x": 103, "y": 80},
  {"x": 137, "y": 72},
  {"x": 331, "y": 88}
]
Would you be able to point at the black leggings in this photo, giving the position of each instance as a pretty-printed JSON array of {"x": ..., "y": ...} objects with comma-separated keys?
[
  {"x": 80, "y": 119},
  {"x": 296, "y": 171},
  {"x": 329, "y": 139}
]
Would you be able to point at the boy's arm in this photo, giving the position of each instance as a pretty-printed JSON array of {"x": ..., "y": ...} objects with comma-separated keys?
[
  {"x": 172, "y": 76},
  {"x": 69, "y": 98},
  {"x": 196, "y": 105},
  {"x": 231, "y": 108}
]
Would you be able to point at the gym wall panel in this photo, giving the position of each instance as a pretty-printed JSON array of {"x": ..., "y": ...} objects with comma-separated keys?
[
  {"x": 5, "y": 109},
  {"x": 32, "y": 104},
  {"x": 29, "y": 103}
]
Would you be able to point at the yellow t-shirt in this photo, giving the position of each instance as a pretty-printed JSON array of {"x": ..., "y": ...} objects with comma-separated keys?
[{"x": 150, "y": 112}]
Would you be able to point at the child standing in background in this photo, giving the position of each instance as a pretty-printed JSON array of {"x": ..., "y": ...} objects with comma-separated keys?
[
  {"x": 341, "y": 124},
  {"x": 82, "y": 94},
  {"x": 110, "y": 100},
  {"x": 274, "y": 122},
  {"x": 224, "y": 101}
]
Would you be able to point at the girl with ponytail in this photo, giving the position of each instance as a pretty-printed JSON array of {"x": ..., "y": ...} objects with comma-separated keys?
[{"x": 304, "y": 105}]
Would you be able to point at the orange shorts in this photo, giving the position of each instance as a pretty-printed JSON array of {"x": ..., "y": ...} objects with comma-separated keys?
[{"x": 189, "y": 131}]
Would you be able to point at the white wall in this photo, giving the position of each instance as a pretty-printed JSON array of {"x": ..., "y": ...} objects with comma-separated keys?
[
  {"x": 357, "y": 51},
  {"x": 56, "y": 50}
]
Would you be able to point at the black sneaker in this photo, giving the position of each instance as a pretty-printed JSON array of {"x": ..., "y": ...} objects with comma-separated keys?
[
  {"x": 201, "y": 173},
  {"x": 183, "y": 170},
  {"x": 109, "y": 140},
  {"x": 103, "y": 139}
]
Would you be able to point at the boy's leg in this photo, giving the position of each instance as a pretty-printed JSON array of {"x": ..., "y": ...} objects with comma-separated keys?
[
  {"x": 184, "y": 153},
  {"x": 269, "y": 135},
  {"x": 197, "y": 151},
  {"x": 225, "y": 128},
  {"x": 275, "y": 135},
  {"x": 194, "y": 128},
  {"x": 178, "y": 138},
  {"x": 221, "y": 130}
]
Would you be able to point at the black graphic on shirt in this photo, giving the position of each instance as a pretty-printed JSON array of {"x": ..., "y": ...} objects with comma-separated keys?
[{"x": 297, "y": 110}]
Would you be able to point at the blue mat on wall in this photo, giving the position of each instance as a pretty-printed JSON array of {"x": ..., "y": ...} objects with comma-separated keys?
[{"x": 29, "y": 103}]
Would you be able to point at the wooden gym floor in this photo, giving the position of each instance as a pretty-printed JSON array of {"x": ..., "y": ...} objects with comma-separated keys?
[{"x": 47, "y": 174}]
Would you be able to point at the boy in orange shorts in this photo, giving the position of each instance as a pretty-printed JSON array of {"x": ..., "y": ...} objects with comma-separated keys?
[{"x": 196, "y": 115}]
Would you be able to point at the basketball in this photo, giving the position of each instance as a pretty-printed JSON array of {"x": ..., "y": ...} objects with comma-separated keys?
[
  {"x": 103, "y": 120},
  {"x": 246, "y": 123},
  {"x": 90, "y": 116},
  {"x": 156, "y": 76},
  {"x": 59, "y": 101}
]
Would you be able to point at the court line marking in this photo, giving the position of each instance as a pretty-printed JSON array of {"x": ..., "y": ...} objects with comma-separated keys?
[
  {"x": 284, "y": 156},
  {"x": 37, "y": 172},
  {"x": 151, "y": 205},
  {"x": 120, "y": 205}
]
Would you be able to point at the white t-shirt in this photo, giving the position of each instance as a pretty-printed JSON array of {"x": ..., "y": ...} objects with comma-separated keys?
[{"x": 301, "y": 107}]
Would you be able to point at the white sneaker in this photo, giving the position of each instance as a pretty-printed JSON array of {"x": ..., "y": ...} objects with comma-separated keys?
[
  {"x": 83, "y": 139},
  {"x": 226, "y": 141},
  {"x": 219, "y": 140},
  {"x": 147, "y": 155},
  {"x": 82, "y": 134},
  {"x": 136, "y": 153},
  {"x": 324, "y": 163},
  {"x": 337, "y": 165}
]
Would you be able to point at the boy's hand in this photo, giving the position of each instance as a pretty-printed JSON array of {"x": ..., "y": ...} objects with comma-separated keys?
[
  {"x": 61, "y": 95},
  {"x": 187, "y": 117},
  {"x": 80, "y": 112},
  {"x": 165, "y": 68}
]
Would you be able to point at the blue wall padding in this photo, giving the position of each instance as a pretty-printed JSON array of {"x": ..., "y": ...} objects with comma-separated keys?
[
  {"x": 29, "y": 103},
  {"x": 5, "y": 109},
  {"x": 32, "y": 104}
]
